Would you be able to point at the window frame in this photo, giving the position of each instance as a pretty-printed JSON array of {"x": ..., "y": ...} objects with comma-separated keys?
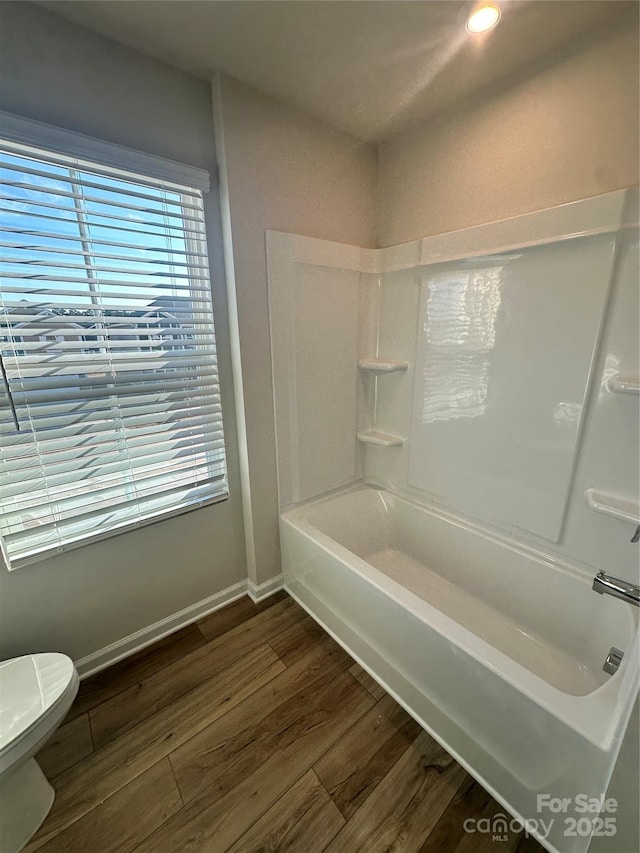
[{"x": 116, "y": 159}]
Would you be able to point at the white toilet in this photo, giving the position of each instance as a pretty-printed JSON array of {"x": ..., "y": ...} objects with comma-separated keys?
[{"x": 36, "y": 692}]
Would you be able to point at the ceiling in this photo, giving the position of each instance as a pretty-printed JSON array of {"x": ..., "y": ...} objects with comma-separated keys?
[{"x": 371, "y": 67}]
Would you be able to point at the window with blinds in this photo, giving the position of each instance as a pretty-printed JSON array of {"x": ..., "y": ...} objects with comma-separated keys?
[{"x": 110, "y": 405}]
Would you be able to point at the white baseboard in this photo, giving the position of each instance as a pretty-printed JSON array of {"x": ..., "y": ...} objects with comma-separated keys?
[
  {"x": 135, "y": 642},
  {"x": 258, "y": 592}
]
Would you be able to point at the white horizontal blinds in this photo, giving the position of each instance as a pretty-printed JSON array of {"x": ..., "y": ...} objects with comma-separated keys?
[{"x": 108, "y": 346}]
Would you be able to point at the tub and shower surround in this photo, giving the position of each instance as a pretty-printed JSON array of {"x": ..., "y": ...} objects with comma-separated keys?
[
  {"x": 510, "y": 684},
  {"x": 446, "y": 411}
]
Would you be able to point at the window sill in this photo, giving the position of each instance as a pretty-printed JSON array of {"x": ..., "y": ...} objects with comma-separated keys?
[{"x": 126, "y": 527}]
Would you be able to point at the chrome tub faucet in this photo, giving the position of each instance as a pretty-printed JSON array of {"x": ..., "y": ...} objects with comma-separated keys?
[{"x": 608, "y": 585}]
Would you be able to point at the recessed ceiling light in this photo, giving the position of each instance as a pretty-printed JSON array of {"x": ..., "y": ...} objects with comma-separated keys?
[{"x": 483, "y": 19}]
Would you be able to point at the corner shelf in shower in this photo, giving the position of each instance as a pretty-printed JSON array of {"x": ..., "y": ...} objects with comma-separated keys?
[
  {"x": 380, "y": 439},
  {"x": 615, "y": 506},
  {"x": 382, "y": 365},
  {"x": 624, "y": 384}
]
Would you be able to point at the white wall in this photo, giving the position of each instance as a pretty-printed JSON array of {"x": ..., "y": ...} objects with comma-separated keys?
[
  {"x": 81, "y": 601},
  {"x": 286, "y": 172},
  {"x": 567, "y": 131}
]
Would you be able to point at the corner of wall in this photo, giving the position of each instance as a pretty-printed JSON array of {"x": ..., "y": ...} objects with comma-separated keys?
[
  {"x": 234, "y": 330},
  {"x": 377, "y": 225}
]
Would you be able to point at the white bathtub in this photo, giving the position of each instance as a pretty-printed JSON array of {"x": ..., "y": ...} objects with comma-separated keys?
[{"x": 494, "y": 649}]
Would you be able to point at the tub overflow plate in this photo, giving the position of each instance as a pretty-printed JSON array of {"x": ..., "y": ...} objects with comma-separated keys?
[{"x": 613, "y": 660}]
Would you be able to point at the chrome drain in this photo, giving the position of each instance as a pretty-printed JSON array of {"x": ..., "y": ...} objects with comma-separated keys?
[{"x": 613, "y": 660}]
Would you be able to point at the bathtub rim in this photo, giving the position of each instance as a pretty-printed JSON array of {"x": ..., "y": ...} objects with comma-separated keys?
[
  {"x": 576, "y": 569},
  {"x": 613, "y": 700}
]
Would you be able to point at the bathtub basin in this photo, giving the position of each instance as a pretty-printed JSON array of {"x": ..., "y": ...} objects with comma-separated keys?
[{"x": 495, "y": 649}]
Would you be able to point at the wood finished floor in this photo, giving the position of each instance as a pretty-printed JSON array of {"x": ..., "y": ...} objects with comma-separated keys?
[{"x": 252, "y": 730}]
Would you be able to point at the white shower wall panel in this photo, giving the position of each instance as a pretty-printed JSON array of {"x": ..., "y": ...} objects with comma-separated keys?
[
  {"x": 314, "y": 313},
  {"x": 503, "y": 359}
]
